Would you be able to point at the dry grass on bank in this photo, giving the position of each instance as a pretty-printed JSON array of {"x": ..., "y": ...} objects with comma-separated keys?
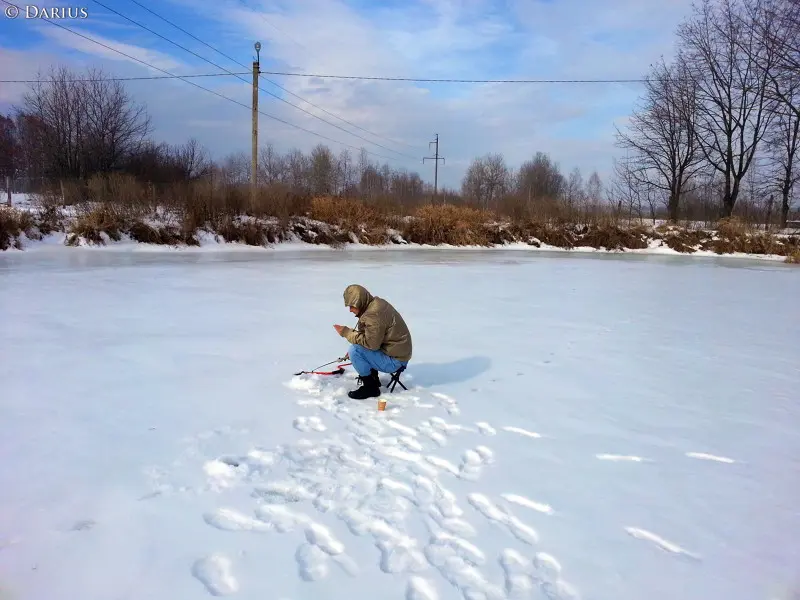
[
  {"x": 730, "y": 236},
  {"x": 113, "y": 206},
  {"x": 794, "y": 257},
  {"x": 448, "y": 224},
  {"x": 13, "y": 223}
]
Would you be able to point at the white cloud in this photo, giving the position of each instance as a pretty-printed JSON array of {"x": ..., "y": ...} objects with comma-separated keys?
[{"x": 135, "y": 53}]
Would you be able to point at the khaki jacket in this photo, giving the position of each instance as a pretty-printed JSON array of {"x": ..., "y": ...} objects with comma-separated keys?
[{"x": 380, "y": 326}]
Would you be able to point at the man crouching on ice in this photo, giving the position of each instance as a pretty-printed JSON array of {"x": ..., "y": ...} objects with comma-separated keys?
[{"x": 381, "y": 341}]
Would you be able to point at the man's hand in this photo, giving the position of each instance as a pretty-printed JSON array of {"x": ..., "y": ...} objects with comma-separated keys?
[{"x": 339, "y": 329}]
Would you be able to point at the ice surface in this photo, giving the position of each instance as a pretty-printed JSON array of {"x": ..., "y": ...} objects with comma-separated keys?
[{"x": 576, "y": 427}]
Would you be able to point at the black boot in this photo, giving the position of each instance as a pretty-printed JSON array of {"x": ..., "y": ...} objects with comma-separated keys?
[{"x": 370, "y": 387}]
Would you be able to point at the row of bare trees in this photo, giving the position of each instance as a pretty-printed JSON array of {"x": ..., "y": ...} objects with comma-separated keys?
[
  {"x": 322, "y": 172},
  {"x": 722, "y": 118},
  {"x": 70, "y": 126},
  {"x": 533, "y": 188}
]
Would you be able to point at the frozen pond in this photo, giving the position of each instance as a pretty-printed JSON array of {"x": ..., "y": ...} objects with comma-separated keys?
[{"x": 593, "y": 426}]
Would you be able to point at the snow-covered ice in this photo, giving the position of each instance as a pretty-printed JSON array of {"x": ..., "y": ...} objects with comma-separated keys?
[{"x": 585, "y": 426}]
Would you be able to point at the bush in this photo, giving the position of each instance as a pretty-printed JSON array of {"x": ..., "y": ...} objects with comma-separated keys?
[
  {"x": 686, "y": 241},
  {"x": 13, "y": 223},
  {"x": 736, "y": 236},
  {"x": 92, "y": 224},
  {"x": 448, "y": 224},
  {"x": 319, "y": 233},
  {"x": 167, "y": 235},
  {"x": 732, "y": 228},
  {"x": 344, "y": 212},
  {"x": 251, "y": 233},
  {"x": 49, "y": 219},
  {"x": 122, "y": 190},
  {"x": 278, "y": 200},
  {"x": 559, "y": 236},
  {"x": 614, "y": 237}
]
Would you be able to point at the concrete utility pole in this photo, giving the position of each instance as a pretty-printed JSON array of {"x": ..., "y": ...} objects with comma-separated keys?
[
  {"x": 435, "y": 158},
  {"x": 8, "y": 189},
  {"x": 254, "y": 165}
]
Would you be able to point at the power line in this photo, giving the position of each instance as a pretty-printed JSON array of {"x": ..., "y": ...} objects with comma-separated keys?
[
  {"x": 172, "y": 75},
  {"x": 143, "y": 78},
  {"x": 242, "y": 65},
  {"x": 230, "y": 73},
  {"x": 433, "y": 80},
  {"x": 269, "y": 80}
]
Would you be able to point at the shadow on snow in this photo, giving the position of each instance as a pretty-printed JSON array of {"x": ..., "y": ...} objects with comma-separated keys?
[{"x": 430, "y": 374}]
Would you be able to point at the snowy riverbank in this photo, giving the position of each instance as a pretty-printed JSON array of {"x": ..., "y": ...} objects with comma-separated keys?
[
  {"x": 210, "y": 243},
  {"x": 30, "y": 228}
]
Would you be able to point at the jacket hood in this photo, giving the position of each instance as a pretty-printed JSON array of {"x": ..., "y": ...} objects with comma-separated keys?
[{"x": 357, "y": 296}]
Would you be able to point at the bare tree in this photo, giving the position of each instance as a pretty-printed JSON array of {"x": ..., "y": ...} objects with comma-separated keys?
[
  {"x": 784, "y": 143},
  {"x": 272, "y": 165},
  {"x": 594, "y": 188},
  {"x": 777, "y": 24},
  {"x": 626, "y": 188},
  {"x": 297, "y": 168},
  {"x": 574, "y": 192},
  {"x": 115, "y": 125},
  {"x": 191, "y": 160},
  {"x": 730, "y": 67},
  {"x": 373, "y": 182},
  {"x": 9, "y": 147},
  {"x": 85, "y": 125},
  {"x": 32, "y": 152},
  {"x": 345, "y": 173},
  {"x": 235, "y": 169},
  {"x": 661, "y": 133},
  {"x": 406, "y": 186},
  {"x": 539, "y": 178},
  {"x": 364, "y": 165},
  {"x": 486, "y": 180},
  {"x": 322, "y": 170}
]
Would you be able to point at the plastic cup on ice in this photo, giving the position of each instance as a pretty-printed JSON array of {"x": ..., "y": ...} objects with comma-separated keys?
[{"x": 381, "y": 404}]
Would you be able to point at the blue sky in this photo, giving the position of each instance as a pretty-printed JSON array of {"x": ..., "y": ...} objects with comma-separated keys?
[{"x": 464, "y": 39}]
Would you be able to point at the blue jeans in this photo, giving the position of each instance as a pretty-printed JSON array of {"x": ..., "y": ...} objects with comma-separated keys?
[{"x": 364, "y": 359}]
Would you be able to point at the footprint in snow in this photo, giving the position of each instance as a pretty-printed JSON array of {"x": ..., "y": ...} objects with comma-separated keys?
[
  {"x": 528, "y": 503},
  {"x": 314, "y": 560},
  {"x": 448, "y": 403},
  {"x": 711, "y": 457},
  {"x": 521, "y": 431},
  {"x": 224, "y": 472},
  {"x": 504, "y": 518},
  {"x": 373, "y": 485},
  {"x": 83, "y": 525},
  {"x": 485, "y": 429},
  {"x": 215, "y": 573},
  {"x": 473, "y": 461},
  {"x": 421, "y": 589},
  {"x": 619, "y": 457},
  {"x": 229, "y": 519},
  {"x": 643, "y": 534},
  {"x": 306, "y": 424},
  {"x": 522, "y": 575}
]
